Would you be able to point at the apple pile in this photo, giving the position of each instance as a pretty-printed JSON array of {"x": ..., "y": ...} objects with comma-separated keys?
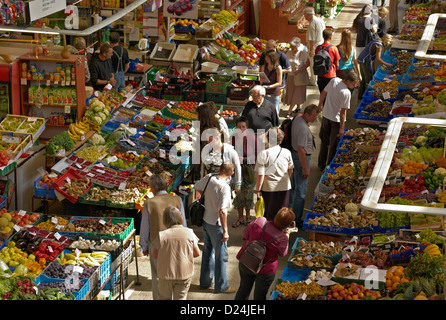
[
  {"x": 4, "y": 159},
  {"x": 351, "y": 291}
]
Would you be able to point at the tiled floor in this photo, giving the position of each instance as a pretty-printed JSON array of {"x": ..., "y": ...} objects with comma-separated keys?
[{"x": 143, "y": 291}]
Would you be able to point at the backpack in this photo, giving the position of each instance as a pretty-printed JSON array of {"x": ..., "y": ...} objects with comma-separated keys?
[
  {"x": 366, "y": 55},
  {"x": 322, "y": 61},
  {"x": 286, "y": 126},
  {"x": 254, "y": 253}
]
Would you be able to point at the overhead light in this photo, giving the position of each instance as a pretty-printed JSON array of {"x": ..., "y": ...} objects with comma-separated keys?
[{"x": 29, "y": 30}]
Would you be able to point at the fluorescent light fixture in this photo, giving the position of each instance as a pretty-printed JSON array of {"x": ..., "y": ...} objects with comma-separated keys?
[{"x": 27, "y": 30}]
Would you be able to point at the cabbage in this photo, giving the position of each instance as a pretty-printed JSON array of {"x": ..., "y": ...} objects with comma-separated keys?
[{"x": 97, "y": 139}]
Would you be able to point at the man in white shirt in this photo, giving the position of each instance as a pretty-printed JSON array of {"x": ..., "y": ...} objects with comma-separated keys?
[
  {"x": 337, "y": 96},
  {"x": 314, "y": 37},
  {"x": 217, "y": 201}
]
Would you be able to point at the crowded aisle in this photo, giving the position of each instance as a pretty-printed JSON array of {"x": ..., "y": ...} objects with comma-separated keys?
[{"x": 181, "y": 151}]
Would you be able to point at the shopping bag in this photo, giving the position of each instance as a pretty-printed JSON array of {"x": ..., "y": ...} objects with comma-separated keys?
[{"x": 260, "y": 207}]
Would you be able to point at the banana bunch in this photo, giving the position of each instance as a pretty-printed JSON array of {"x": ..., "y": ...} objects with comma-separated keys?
[
  {"x": 432, "y": 249},
  {"x": 442, "y": 197},
  {"x": 78, "y": 129},
  {"x": 92, "y": 259}
]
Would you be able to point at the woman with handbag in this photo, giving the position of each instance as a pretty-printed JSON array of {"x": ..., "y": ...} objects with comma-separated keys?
[
  {"x": 245, "y": 143},
  {"x": 276, "y": 233},
  {"x": 274, "y": 168},
  {"x": 298, "y": 79}
]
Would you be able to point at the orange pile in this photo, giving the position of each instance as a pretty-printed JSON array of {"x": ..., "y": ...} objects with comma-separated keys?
[
  {"x": 395, "y": 276},
  {"x": 413, "y": 167},
  {"x": 227, "y": 44}
]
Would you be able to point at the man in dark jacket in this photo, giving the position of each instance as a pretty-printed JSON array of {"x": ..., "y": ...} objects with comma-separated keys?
[{"x": 101, "y": 70}]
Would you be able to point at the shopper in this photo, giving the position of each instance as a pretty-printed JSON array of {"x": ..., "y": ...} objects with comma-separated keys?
[
  {"x": 260, "y": 113},
  {"x": 382, "y": 25},
  {"x": 101, "y": 69},
  {"x": 337, "y": 96},
  {"x": 303, "y": 147},
  {"x": 174, "y": 250},
  {"x": 274, "y": 168},
  {"x": 393, "y": 17},
  {"x": 217, "y": 152},
  {"x": 277, "y": 230},
  {"x": 314, "y": 37},
  {"x": 273, "y": 72},
  {"x": 323, "y": 79},
  {"x": 298, "y": 79},
  {"x": 365, "y": 26},
  {"x": 370, "y": 64},
  {"x": 223, "y": 125},
  {"x": 120, "y": 61},
  {"x": 215, "y": 229},
  {"x": 283, "y": 59},
  {"x": 245, "y": 143},
  {"x": 80, "y": 47},
  {"x": 348, "y": 62},
  {"x": 152, "y": 221}
]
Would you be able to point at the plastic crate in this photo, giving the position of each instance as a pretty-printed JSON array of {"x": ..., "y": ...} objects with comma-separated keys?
[
  {"x": 294, "y": 274},
  {"x": 240, "y": 89},
  {"x": 163, "y": 46},
  {"x": 190, "y": 49},
  {"x": 194, "y": 94},
  {"x": 113, "y": 220},
  {"x": 79, "y": 294},
  {"x": 219, "y": 98},
  {"x": 61, "y": 181},
  {"x": 321, "y": 228},
  {"x": 43, "y": 190},
  {"x": 218, "y": 84}
]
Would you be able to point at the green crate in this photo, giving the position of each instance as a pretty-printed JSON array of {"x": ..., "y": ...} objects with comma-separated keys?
[
  {"x": 113, "y": 220},
  {"x": 170, "y": 97},
  {"x": 128, "y": 206},
  {"x": 218, "y": 83},
  {"x": 218, "y": 98},
  {"x": 151, "y": 74},
  {"x": 83, "y": 199}
]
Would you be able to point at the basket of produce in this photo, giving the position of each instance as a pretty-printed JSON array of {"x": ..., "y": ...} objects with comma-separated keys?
[
  {"x": 112, "y": 227},
  {"x": 71, "y": 185},
  {"x": 56, "y": 289},
  {"x": 95, "y": 196},
  {"x": 43, "y": 186},
  {"x": 330, "y": 250},
  {"x": 218, "y": 83}
]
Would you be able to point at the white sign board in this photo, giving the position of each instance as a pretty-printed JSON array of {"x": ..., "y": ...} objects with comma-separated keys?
[{"x": 42, "y": 8}]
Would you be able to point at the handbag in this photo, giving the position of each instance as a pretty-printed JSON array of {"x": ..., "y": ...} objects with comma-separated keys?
[{"x": 196, "y": 210}]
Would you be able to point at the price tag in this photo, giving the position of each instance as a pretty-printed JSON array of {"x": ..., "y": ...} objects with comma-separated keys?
[
  {"x": 57, "y": 236},
  {"x": 62, "y": 83},
  {"x": 149, "y": 173},
  {"x": 50, "y": 249},
  {"x": 10, "y": 139},
  {"x": 54, "y": 220},
  {"x": 61, "y": 153},
  {"x": 100, "y": 165},
  {"x": 48, "y": 83},
  {"x": 90, "y": 174},
  {"x": 23, "y": 81},
  {"x": 308, "y": 281},
  {"x": 100, "y": 171},
  {"x": 78, "y": 269},
  {"x": 67, "y": 109},
  {"x": 108, "y": 86},
  {"x": 334, "y": 211},
  {"x": 102, "y": 222},
  {"x": 73, "y": 83},
  {"x": 22, "y": 213},
  {"x": 302, "y": 296},
  {"x": 162, "y": 153},
  {"x": 122, "y": 185},
  {"x": 153, "y": 160},
  {"x": 68, "y": 180},
  {"x": 52, "y": 175},
  {"x": 332, "y": 196},
  {"x": 331, "y": 244},
  {"x": 386, "y": 95},
  {"x": 112, "y": 159},
  {"x": 78, "y": 165},
  {"x": 308, "y": 257},
  {"x": 16, "y": 227}
]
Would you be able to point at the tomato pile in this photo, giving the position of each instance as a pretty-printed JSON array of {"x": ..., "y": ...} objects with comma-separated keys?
[
  {"x": 414, "y": 185},
  {"x": 165, "y": 121},
  {"x": 188, "y": 105}
]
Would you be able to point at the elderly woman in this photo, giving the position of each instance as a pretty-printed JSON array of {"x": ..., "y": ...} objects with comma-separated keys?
[
  {"x": 175, "y": 249},
  {"x": 276, "y": 230},
  {"x": 274, "y": 168},
  {"x": 273, "y": 72},
  {"x": 298, "y": 79}
]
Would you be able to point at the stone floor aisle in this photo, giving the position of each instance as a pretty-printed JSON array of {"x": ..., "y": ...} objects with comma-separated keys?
[{"x": 143, "y": 291}]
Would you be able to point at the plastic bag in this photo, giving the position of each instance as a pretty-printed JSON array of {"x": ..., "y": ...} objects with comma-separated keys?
[{"x": 260, "y": 207}]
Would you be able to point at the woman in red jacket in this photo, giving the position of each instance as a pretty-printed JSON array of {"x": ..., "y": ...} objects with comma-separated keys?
[{"x": 277, "y": 229}]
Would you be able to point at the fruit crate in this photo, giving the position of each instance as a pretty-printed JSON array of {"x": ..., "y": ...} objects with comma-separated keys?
[
  {"x": 83, "y": 198},
  {"x": 163, "y": 51},
  {"x": 218, "y": 98},
  {"x": 175, "y": 89},
  {"x": 240, "y": 89},
  {"x": 185, "y": 53},
  {"x": 170, "y": 97},
  {"x": 43, "y": 190},
  {"x": 6, "y": 129},
  {"x": 218, "y": 84},
  {"x": 22, "y": 131},
  {"x": 71, "y": 174},
  {"x": 83, "y": 288},
  {"x": 154, "y": 91},
  {"x": 113, "y": 220},
  {"x": 322, "y": 228},
  {"x": 192, "y": 94}
]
